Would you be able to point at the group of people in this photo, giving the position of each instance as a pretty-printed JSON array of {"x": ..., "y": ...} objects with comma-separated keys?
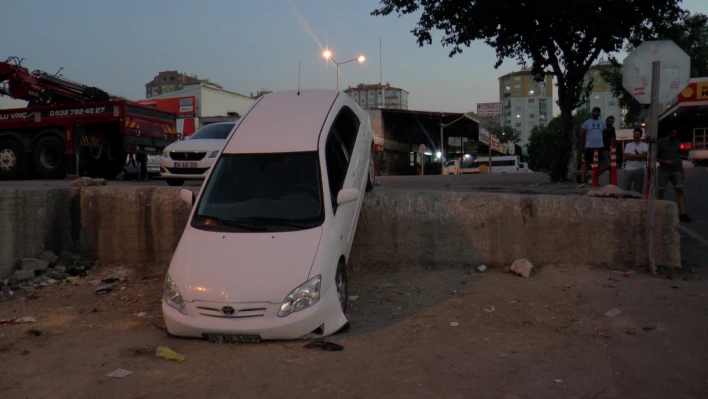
[{"x": 599, "y": 135}]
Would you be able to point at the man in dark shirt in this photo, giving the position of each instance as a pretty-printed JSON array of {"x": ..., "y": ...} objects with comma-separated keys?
[{"x": 668, "y": 154}]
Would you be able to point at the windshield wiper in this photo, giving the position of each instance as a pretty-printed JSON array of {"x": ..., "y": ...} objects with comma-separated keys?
[
  {"x": 234, "y": 223},
  {"x": 282, "y": 221}
]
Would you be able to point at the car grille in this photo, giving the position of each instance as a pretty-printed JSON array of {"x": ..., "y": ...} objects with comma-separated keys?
[
  {"x": 187, "y": 171},
  {"x": 188, "y": 156},
  {"x": 238, "y": 313}
]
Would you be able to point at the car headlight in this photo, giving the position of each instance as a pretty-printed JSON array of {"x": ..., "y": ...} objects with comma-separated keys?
[
  {"x": 173, "y": 296},
  {"x": 301, "y": 297},
  {"x": 213, "y": 154},
  {"x": 166, "y": 153}
]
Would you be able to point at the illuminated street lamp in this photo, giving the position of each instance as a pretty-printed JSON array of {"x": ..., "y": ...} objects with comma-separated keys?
[{"x": 328, "y": 55}]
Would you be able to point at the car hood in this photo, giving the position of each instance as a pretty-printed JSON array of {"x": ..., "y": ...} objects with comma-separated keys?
[
  {"x": 243, "y": 267},
  {"x": 197, "y": 145}
]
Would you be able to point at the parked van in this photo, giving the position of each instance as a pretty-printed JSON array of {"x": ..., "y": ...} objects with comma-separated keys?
[
  {"x": 502, "y": 164},
  {"x": 265, "y": 249}
]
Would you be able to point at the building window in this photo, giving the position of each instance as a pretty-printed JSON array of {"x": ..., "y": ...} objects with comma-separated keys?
[
  {"x": 532, "y": 100},
  {"x": 613, "y": 103},
  {"x": 532, "y": 124},
  {"x": 517, "y": 86},
  {"x": 517, "y": 78},
  {"x": 531, "y": 85},
  {"x": 507, "y": 88},
  {"x": 518, "y": 124},
  {"x": 531, "y": 116},
  {"x": 517, "y": 109},
  {"x": 531, "y": 92},
  {"x": 517, "y": 93}
]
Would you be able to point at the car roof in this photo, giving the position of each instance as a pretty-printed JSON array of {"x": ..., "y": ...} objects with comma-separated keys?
[{"x": 283, "y": 122}]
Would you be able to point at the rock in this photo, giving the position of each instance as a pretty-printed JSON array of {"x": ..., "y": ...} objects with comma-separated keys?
[
  {"x": 613, "y": 312},
  {"x": 82, "y": 181},
  {"x": 77, "y": 271},
  {"x": 99, "y": 182},
  {"x": 522, "y": 267},
  {"x": 23, "y": 275},
  {"x": 613, "y": 191},
  {"x": 507, "y": 269},
  {"x": 50, "y": 257},
  {"x": 34, "y": 264},
  {"x": 60, "y": 276},
  {"x": 59, "y": 269},
  {"x": 482, "y": 268}
]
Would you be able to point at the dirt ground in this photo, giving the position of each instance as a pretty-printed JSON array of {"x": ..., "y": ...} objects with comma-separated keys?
[{"x": 542, "y": 337}]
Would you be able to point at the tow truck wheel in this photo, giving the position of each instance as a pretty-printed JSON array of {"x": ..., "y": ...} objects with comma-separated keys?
[
  {"x": 13, "y": 162},
  {"x": 48, "y": 157}
]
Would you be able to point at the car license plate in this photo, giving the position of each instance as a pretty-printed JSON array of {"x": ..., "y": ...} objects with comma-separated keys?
[
  {"x": 232, "y": 338},
  {"x": 185, "y": 164},
  {"x": 151, "y": 149}
]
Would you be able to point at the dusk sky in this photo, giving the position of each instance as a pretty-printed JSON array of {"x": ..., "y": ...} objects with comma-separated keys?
[{"x": 247, "y": 45}]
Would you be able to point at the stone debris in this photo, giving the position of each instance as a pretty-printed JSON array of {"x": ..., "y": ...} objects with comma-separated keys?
[
  {"x": 119, "y": 373},
  {"x": 522, "y": 267},
  {"x": 87, "y": 181},
  {"x": 50, "y": 257},
  {"x": 454, "y": 324},
  {"x": 613, "y": 312},
  {"x": 613, "y": 192},
  {"x": 34, "y": 264},
  {"x": 482, "y": 268}
]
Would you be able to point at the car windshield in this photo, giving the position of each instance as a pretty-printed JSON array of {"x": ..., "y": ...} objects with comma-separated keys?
[
  {"x": 214, "y": 131},
  {"x": 262, "y": 192}
]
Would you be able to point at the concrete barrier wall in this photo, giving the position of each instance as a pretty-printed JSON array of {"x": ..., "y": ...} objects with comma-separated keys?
[{"x": 396, "y": 228}]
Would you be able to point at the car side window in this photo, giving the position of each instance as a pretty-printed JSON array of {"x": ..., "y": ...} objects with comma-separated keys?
[
  {"x": 346, "y": 124},
  {"x": 337, "y": 161}
]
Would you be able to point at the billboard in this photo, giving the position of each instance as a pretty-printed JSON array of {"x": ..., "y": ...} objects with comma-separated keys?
[{"x": 489, "y": 110}]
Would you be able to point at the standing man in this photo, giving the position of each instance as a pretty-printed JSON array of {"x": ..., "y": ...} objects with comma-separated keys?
[
  {"x": 609, "y": 138},
  {"x": 668, "y": 154},
  {"x": 635, "y": 156},
  {"x": 591, "y": 137}
]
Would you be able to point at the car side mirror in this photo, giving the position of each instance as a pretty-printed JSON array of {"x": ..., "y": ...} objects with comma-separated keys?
[
  {"x": 347, "y": 195},
  {"x": 187, "y": 196}
]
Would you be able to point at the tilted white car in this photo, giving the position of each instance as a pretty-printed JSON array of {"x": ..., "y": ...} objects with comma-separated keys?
[
  {"x": 191, "y": 159},
  {"x": 264, "y": 253}
]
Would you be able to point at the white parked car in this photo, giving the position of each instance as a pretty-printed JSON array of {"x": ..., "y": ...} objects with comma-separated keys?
[
  {"x": 264, "y": 253},
  {"x": 191, "y": 159}
]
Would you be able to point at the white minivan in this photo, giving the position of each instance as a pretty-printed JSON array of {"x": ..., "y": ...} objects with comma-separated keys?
[
  {"x": 264, "y": 253},
  {"x": 500, "y": 164}
]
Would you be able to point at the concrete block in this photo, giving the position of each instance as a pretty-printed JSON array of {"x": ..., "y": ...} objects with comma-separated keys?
[
  {"x": 24, "y": 275},
  {"x": 34, "y": 264},
  {"x": 50, "y": 257}
]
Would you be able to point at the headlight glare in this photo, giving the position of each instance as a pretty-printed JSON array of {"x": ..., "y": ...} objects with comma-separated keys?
[
  {"x": 301, "y": 297},
  {"x": 173, "y": 296}
]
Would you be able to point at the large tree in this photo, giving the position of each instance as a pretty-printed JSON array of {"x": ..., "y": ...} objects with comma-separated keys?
[
  {"x": 690, "y": 32},
  {"x": 561, "y": 37}
]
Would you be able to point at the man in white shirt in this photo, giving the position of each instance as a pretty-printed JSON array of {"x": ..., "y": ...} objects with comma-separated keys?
[
  {"x": 591, "y": 139},
  {"x": 635, "y": 157}
]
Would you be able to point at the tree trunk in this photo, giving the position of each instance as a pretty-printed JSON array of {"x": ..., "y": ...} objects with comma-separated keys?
[{"x": 569, "y": 131}]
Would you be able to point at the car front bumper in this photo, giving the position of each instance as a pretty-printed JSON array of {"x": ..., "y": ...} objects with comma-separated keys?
[{"x": 199, "y": 321}]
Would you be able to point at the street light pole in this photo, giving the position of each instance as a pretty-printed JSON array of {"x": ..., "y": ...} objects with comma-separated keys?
[
  {"x": 328, "y": 55},
  {"x": 442, "y": 126}
]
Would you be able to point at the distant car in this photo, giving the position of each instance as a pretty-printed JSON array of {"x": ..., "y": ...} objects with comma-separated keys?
[
  {"x": 191, "y": 159},
  {"x": 264, "y": 253}
]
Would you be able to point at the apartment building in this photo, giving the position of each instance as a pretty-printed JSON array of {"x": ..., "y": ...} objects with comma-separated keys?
[
  {"x": 379, "y": 96},
  {"x": 601, "y": 95},
  {"x": 169, "y": 81},
  {"x": 526, "y": 103}
]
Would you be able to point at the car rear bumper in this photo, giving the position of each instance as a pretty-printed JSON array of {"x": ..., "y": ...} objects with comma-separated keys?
[{"x": 327, "y": 313}]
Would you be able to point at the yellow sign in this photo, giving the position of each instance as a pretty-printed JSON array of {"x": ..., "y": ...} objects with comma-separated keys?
[{"x": 702, "y": 88}]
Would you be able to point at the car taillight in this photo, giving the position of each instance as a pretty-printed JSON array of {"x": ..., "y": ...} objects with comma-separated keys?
[{"x": 686, "y": 146}]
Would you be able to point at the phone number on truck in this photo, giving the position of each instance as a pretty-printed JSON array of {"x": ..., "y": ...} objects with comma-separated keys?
[{"x": 79, "y": 111}]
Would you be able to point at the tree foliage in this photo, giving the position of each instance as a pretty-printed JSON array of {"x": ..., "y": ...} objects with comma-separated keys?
[
  {"x": 547, "y": 145},
  {"x": 562, "y": 37},
  {"x": 690, "y": 32}
]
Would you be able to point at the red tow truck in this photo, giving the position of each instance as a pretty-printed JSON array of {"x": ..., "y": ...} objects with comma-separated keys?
[{"x": 70, "y": 128}]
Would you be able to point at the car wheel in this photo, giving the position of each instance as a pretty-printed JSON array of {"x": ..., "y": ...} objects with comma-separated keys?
[
  {"x": 371, "y": 178},
  {"x": 175, "y": 182},
  {"x": 340, "y": 282}
]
